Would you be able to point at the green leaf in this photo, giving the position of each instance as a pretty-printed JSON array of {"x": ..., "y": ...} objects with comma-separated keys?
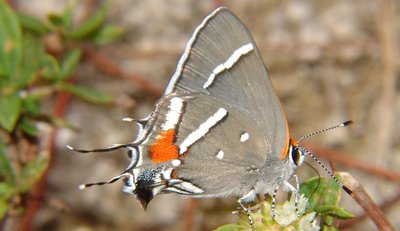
[
  {"x": 308, "y": 187},
  {"x": 314, "y": 190},
  {"x": 6, "y": 170},
  {"x": 31, "y": 23},
  {"x": 331, "y": 197},
  {"x": 50, "y": 67},
  {"x": 28, "y": 128},
  {"x": 33, "y": 52},
  {"x": 333, "y": 192},
  {"x": 69, "y": 64},
  {"x": 10, "y": 110},
  {"x": 31, "y": 106},
  {"x": 334, "y": 211},
  {"x": 88, "y": 94},
  {"x": 90, "y": 25},
  {"x": 107, "y": 33},
  {"x": 55, "y": 19},
  {"x": 10, "y": 41},
  {"x": 31, "y": 173}
]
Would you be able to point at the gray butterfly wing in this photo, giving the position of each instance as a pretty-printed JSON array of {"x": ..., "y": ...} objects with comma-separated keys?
[
  {"x": 245, "y": 84},
  {"x": 216, "y": 145},
  {"x": 219, "y": 116},
  {"x": 220, "y": 161}
]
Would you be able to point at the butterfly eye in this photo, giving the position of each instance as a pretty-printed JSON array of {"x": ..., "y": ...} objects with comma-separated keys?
[{"x": 297, "y": 155}]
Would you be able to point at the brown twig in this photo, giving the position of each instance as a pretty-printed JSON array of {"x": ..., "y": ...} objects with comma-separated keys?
[
  {"x": 388, "y": 203},
  {"x": 346, "y": 160},
  {"x": 108, "y": 66},
  {"x": 364, "y": 200}
]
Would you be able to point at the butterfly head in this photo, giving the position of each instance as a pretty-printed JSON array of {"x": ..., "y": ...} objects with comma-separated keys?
[{"x": 296, "y": 152}]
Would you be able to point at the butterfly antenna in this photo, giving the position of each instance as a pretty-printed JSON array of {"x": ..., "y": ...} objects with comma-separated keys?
[
  {"x": 344, "y": 187},
  {"x": 141, "y": 124},
  {"x": 114, "y": 179},
  {"x": 344, "y": 124},
  {"x": 107, "y": 149}
]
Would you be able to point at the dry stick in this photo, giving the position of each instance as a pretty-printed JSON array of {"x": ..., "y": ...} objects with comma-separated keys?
[
  {"x": 364, "y": 200},
  {"x": 108, "y": 66},
  {"x": 348, "y": 161},
  {"x": 350, "y": 223}
]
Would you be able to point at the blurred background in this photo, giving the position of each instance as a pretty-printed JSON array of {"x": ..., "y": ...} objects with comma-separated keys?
[{"x": 329, "y": 61}]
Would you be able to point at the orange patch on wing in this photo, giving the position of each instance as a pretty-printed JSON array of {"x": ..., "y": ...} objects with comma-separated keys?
[
  {"x": 284, "y": 152},
  {"x": 164, "y": 148},
  {"x": 288, "y": 140}
]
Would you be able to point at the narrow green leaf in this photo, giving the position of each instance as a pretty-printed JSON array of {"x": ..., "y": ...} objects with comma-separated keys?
[
  {"x": 88, "y": 94},
  {"x": 107, "y": 34},
  {"x": 69, "y": 64},
  {"x": 90, "y": 25},
  {"x": 50, "y": 67},
  {"x": 10, "y": 41},
  {"x": 31, "y": 23},
  {"x": 10, "y": 109},
  {"x": 334, "y": 211}
]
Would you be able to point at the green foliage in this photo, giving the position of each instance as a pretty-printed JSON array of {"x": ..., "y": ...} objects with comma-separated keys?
[
  {"x": 88, "y": 94},
  {"x": 10, "y": 110},
  {"x": 31, "y": 71},
  {"x": 90, "y": 25},
  {"x": 11, "y": 42},
  {"x": 69, "y": 64},
  {"x": 318, "y": 206},
  {"x": 325, "y": 200}
]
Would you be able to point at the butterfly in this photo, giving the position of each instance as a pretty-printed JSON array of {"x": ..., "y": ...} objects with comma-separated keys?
[{"x": 219, "y": 129}]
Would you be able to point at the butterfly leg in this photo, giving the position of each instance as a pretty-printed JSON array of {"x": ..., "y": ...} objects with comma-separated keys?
[
  {"x": 273, "y": 204},
  {"x": 296, "y": 202},
  {"x": 295, "y": 190},
  {"x": 248, "y": 197}
]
